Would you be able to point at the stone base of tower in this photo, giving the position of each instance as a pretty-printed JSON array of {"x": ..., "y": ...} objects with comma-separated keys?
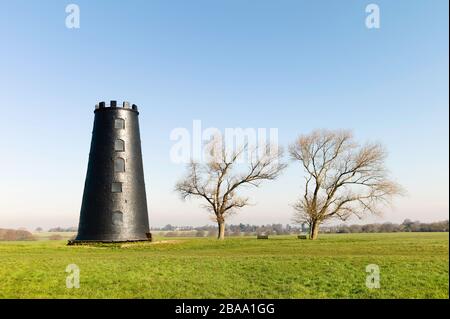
[{"x": 73, "y": 242}]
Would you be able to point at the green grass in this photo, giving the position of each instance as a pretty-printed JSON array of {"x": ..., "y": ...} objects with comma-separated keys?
[{"x": 413, "y": 265}]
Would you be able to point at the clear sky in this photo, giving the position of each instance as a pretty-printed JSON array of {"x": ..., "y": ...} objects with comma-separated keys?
[{"x": 292, "y": 65}]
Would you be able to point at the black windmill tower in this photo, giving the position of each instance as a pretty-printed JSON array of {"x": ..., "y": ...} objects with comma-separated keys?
[{"x": 114, "y": 207}]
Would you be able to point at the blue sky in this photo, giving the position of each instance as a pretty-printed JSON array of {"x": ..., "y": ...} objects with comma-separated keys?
[{"x": 292, "y": 65}]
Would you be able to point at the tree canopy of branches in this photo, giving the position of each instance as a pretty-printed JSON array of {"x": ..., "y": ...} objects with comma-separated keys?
[
  {"x": 218, "y": 181},
  {"x": 342, "y": 178}
]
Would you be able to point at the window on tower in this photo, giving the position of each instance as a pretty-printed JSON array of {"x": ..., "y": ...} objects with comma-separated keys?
[
  {"x": 117, "y": 218},
  {"x": 116, "y": 187},
  {"x": 119, "y": 145},
  {"x": 119, "y": 165},
  {"x": 119, "y": 124}
]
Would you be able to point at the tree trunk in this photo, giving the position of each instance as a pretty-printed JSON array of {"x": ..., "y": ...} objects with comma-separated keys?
[
  {"x": 314, "y": 230},
  {"x": 221, "y": 235}
]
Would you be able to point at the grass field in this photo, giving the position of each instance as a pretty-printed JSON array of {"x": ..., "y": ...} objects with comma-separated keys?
[{"x": 413, "y": 265}]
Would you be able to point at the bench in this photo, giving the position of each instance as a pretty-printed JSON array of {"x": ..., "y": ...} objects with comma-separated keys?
[
  {"x": 302, "y": 237},
  {"x": 263, "y": 237}
]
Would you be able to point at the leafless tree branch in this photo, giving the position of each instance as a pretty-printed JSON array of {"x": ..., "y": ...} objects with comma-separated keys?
[
  {"x": 343, "y": 178},
  {"x": 218, "y": 181}
]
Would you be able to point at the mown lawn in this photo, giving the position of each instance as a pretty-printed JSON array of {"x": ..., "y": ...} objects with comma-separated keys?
[{"x": 413, "y": 265}]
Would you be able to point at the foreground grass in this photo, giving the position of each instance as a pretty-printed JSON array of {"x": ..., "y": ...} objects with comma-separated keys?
[{"x": 413, "y": 265}]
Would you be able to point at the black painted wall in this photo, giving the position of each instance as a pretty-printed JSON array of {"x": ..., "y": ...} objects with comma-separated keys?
[{"x": 108, "y": 213}]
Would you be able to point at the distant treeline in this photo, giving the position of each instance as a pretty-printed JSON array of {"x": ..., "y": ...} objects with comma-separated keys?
[
  {"x": 62, "y": 230},
  {"x": 23, "y": 235},
  {"x": 279, "y": 229},
  {"x": 406, "y": 226},
  {"x": 230, "y": 230},
  {"x": 251, "y": 230},
  {"x": 16, "y": 234}
]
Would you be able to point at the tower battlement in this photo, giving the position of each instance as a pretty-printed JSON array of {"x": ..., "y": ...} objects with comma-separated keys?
[{"x": 113, "y": 105}]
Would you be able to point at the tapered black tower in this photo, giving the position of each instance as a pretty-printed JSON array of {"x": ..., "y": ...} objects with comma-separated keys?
[{"x": 114, "y": 207}]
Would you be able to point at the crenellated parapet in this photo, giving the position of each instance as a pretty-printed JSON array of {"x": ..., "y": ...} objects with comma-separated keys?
[{"x": 113, "y": 105}]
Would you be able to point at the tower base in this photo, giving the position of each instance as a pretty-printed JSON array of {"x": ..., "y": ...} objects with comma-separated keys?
[{"x": 74, "y": 242}]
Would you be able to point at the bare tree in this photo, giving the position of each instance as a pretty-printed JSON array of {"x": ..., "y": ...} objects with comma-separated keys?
[
  {"x": 218, "y": 181},
  {"x": 342, "y": 178}
]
